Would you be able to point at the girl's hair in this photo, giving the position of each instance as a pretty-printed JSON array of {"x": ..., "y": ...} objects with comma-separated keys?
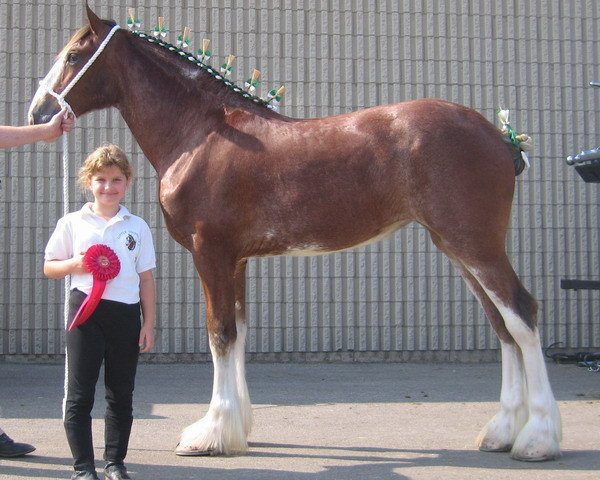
[{"x": 103, "y": 157}]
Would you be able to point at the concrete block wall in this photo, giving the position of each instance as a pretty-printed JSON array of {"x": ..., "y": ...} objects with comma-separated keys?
[{"x": 395, "y": 299}]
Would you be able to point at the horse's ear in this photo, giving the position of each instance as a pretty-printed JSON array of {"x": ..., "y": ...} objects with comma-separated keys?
[{"x": 96, "y": 24}]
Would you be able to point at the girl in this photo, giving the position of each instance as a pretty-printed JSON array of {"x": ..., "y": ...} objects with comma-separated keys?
[{"x": 113, "y": 334}]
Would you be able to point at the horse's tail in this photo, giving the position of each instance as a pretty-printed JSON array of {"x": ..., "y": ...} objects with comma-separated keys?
[{"x": 519, "y": 144}]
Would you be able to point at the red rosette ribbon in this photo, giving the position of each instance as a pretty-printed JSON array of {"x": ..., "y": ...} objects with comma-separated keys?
[{"x": 104, "y": 265}]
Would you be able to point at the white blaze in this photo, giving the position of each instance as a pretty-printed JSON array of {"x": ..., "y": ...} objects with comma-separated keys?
[{"x": 50, "y": 79}]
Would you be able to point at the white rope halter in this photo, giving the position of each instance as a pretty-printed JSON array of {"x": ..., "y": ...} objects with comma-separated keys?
[{"x": 60, "y": 97}]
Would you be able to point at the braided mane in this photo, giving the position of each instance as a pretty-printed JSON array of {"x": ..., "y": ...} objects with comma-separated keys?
[{"x": 207, "y": 68}]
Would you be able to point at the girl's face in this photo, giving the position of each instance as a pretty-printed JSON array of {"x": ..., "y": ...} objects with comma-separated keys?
[{"x": 109, "y": 186}]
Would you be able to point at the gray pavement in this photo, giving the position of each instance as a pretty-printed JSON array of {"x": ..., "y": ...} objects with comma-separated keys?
[{"x": 312, "y": 421}]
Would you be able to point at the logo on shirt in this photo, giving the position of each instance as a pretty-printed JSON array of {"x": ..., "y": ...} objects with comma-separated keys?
[{"x": 129, "y": 240}]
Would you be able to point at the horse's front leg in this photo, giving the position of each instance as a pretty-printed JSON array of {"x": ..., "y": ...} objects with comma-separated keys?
[
  {"x": 224, "y": 428},
  {"x": 240, "y": 345}
]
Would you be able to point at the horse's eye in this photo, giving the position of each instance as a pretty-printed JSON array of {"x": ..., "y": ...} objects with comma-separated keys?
[{"x": 72, "y": 58}]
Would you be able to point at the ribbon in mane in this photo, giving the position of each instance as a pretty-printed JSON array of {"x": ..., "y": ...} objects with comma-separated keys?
[{"x": 102, "y": 262}]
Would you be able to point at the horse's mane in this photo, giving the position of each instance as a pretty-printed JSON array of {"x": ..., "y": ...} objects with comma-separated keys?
[{"x": 179, "y": 52}]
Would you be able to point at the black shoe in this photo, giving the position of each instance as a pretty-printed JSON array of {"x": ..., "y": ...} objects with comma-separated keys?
[
  {"x": 84, "y": 475},
  {"x": 116, "y": 471},
  {"x": 8, "y": 448}
]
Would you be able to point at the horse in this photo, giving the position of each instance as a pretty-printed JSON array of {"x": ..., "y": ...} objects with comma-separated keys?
[{"x": 238, "y": 180}]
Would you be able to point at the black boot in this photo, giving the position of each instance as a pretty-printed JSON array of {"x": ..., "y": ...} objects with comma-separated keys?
[
  {"x": 9, "y": 448},
  {"x": 84, "y": 475},
  {"x": 116, "y": 471}
]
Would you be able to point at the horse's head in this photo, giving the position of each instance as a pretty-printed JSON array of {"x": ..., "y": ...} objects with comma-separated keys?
[{"x": 92, "y": 91}]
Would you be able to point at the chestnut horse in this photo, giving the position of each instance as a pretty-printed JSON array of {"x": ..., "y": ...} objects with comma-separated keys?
[{"x": 238, "y": 180}]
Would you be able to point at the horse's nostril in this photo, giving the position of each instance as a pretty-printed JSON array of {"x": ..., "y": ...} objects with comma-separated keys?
[
  {"x": 44, "y": 118},
  {"x": 39, "y": 118}
]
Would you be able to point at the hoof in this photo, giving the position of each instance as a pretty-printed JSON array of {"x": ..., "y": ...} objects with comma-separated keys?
[
  {"x": 535, "y": 457},
  {"x": 500, "y": 432},
  {"x": 540, "y": 449},
  {"x": 539, "y": 441},
  {"x": 191, "y": 452},
  {"x": 494, "y": 448},
  {"x": 494, "y": 439}
]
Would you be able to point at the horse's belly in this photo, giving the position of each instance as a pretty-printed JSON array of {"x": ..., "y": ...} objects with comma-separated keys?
[{"x": 316, "y": 248}]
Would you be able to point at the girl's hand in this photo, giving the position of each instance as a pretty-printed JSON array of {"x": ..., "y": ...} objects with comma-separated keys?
[
  {"x": 61, "y": 268},
  {"x": 146, "y": 342},
  {"x": 78, "y": 265}
]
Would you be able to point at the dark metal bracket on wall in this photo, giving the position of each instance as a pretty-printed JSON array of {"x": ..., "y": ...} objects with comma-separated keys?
[
  {"x": 567, "y": 284},
  {"x": 587, "y": 165}
]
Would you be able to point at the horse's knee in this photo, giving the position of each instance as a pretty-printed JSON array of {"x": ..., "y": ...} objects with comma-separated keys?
[
  {"x": 514, "y": 307},
  {"x": 526, "y": 306},
  {"x": 222, "y": 338}
]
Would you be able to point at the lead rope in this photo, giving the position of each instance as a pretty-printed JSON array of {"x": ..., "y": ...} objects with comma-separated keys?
[{"x": 65, "y": 158}]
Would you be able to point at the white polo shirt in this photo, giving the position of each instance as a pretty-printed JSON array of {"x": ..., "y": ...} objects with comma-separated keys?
[{"x": 128, "y": 235}]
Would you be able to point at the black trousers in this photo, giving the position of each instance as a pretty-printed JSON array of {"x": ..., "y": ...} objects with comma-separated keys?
[{"x": 110, "y": 335}]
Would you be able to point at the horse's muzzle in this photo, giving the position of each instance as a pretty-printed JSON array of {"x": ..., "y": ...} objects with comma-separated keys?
[{"x": 42, "y": 113}]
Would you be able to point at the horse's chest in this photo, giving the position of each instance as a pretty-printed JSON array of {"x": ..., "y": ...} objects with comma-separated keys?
[{"x": 182, "y": 207}]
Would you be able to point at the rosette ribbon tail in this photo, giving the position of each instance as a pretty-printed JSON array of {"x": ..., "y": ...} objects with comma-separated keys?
[
  {"x": 103, "y": 263},
  {"x": 89, "y": 304}
]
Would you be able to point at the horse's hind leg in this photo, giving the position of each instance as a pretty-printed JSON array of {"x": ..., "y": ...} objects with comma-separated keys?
[
  {"x": 528, "y": 420},
  {"x": 501, "y": 431},
  {"x": 539, "y": 439}
]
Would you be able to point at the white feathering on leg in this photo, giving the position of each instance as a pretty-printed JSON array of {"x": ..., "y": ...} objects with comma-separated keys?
[{"x": 222, "y": 430}]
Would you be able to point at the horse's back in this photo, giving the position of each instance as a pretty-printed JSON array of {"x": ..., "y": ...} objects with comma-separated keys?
[{"x": 432, "y": 133}]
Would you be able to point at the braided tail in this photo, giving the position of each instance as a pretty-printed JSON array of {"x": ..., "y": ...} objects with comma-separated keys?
[{"x": 519, "y": 143}]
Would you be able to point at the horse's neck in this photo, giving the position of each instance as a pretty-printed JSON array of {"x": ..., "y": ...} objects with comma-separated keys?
[{"x": 163, "y": 103}]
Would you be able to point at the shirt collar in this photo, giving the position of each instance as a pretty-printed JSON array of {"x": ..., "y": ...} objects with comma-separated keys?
[{"x": 122, "y": 214}]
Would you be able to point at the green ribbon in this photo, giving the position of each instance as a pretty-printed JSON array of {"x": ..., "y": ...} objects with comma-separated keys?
[
  {"x": 160, "y": 31},
  {"x": 204, "y": 54},
  {"x": 133, "y": 23}
]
